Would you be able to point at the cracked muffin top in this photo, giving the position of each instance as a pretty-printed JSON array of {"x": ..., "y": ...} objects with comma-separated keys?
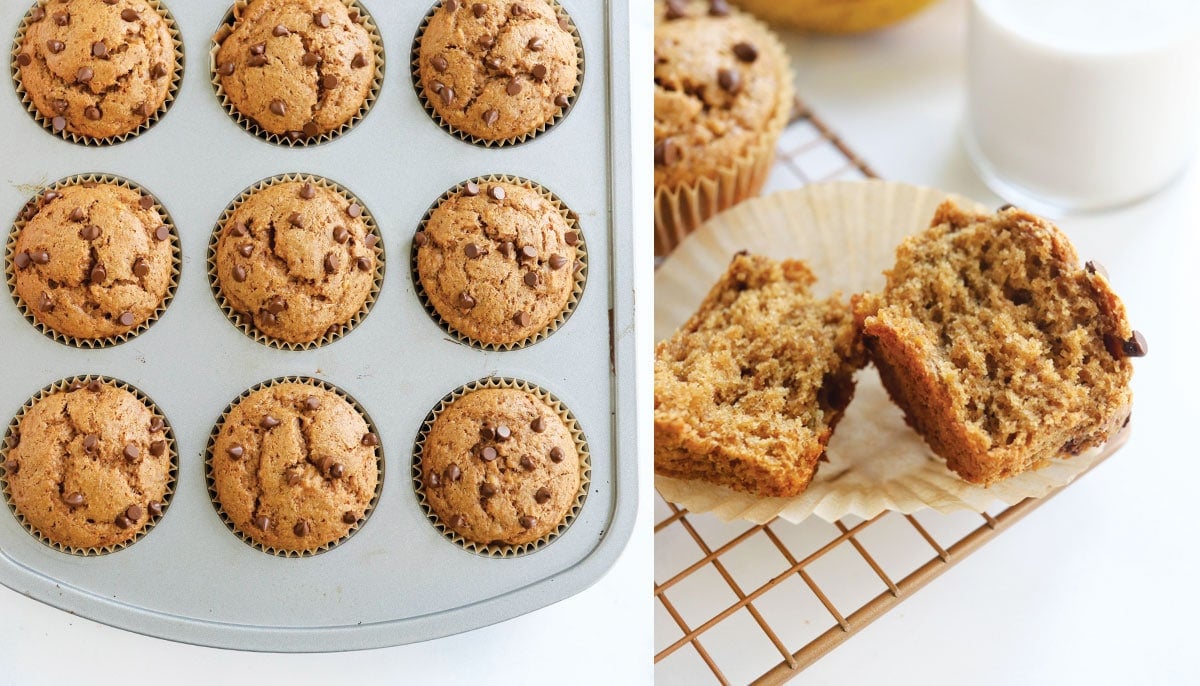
[
  {"x": 297, "y": 68},
  {"x": 97, "y": 68},
  {"x": 294, "y": 466},
  {"x": 296, "y": 260},
  {"x": 722, "y": 85},
  {"x": 500, "y": 69},
  {"x": 89, "y": 466},
  {"x": 94, "y": 260}
]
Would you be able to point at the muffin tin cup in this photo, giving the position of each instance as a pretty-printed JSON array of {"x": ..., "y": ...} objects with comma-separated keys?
[
  {"x": 415, "y": 64},
  {"x": 580, "y": 275},
  {"x": 500, "y": 550},
  {"x": 48, "y": 124},
  {"x": 226, "y": 28},
  {"x": 65, "y": 385},
  {"x": 680, "y": 210},
  {"x": 29, "y": 210},
  {"x": 246, "y": 324},
  {"x": 211, "y": 483}
]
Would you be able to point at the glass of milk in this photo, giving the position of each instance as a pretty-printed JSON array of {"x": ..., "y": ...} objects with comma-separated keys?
[{"x": 1077, "y": 105}]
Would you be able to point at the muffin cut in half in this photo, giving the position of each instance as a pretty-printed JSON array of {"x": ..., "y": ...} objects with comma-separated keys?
[
  {"x": 1002, "y": 350},
  {"x": 748, "y": 391}
]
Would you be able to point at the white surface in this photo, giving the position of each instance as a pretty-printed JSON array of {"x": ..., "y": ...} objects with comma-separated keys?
[
  {"x": 1096, "y": 586},
  {"x": 600, "y": 636}
]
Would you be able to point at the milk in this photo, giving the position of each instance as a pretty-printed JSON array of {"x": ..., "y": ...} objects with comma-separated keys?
[{"x": 1082, "y": 104}]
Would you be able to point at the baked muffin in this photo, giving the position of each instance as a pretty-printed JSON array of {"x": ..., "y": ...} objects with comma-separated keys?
[
  {"x": 722, "y": 95},
  {"x": 499, "y": 467},
  {"x": 497, "y": 261},
  {"x": 500, "y": 70},
  {"x": 1002, "y": 350},
  {"x": 294, "y": 466},
  {"x": 93, "y": 260},
  {"x": 296, "y": 261},
  {"x": 298, "y": 69},
  {"x": 89, "y": 465},
  {"x": 98, "y": 69},
  {"x": 747, "y": 393}
]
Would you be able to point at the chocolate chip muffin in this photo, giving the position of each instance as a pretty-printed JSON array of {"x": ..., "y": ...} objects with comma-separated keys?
[
  {"x": 722, "y": 95},
  {"x": 498, "y": 261},
  {"x": 93, "y": 260},
  {"x": 296, "y": 261},
  {"x": 89, "y": 465},
  {"x": 499, "y": 467},
  {"x": 298, "y": 69},
  {"x": 500, "y": 70},
  {"x": 294, "y": 466},
  {"x": 98, "y": 69}
]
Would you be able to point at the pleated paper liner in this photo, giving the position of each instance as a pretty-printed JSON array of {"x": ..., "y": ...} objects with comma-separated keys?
[
  {"x": 250, "y": 125},
  {"x": 30, "y": 210},
  {"x": 681, "y": 209},
  {"x": 245, "y": 323},
  {"x": 847, "y": 232},
  {"x": 211, "y": 482},
  {"x": 581, "y": 258},
  {"x": 415, "y": 64},
  {"x": 502, "y": 550},
  {"x": 65, "y": 385},
  {"x": 48, "y": 124}
]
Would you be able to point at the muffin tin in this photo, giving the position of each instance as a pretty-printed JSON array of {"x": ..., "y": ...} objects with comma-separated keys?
[{"x": 398, "y": 579}]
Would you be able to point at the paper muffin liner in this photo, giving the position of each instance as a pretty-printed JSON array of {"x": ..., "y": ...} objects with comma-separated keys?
[
  {"x": 246, "y": 324},
  {"x": 48, "y": 124},
  {"x": 212, "y": 485},
  {"x": 64, "y": 385},
  {"x": 581, "y": 268},
  {"x": 681, "y": 209},
  {"x": 415, "y": 64},
  {"x": 226, "y": 27},
  {"x": 29, "y": 210},
  {"x": 501, "y": 550},
  {"x": 847, "y": 232}
]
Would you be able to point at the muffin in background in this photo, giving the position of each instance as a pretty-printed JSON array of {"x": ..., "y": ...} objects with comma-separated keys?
[
  {"x": 722, "y": 95},
  {"x": 844, "y": 16}
]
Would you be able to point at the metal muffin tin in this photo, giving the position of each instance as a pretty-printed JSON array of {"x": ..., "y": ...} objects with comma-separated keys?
[{"x": 398, "y": 580}]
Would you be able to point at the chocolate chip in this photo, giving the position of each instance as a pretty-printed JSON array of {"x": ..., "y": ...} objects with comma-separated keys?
[
  {"x": 1135, "y": 346},
  {"x": 531, "y": 279},
  {"x": 745, "y": 52},
  {"x": 488, "y": 454},
  {"x": 538, "y": 425},
  {"x": 419, "y": 238},
  {"x": 90, "y": 232},
  {"x": 561, "y": 100},
  {"x": 465, "y": 301},
  {"x": 22, "y": 260},
  {"x": 496, "y": 192},
  {"x": 539, "y": 72},
  {"x": 122, "y": 521},
  {"x": 263, "y": 523},
  {"x": 45, "y": 304},
  {"x": 24, "y": 60},
  {"x": 155, "y": 508},
  {"x": 90, "y": 442},
  {"x": 472, "y": 251},
  {"x": 517, "y": 10},
  {"x": 452, "y": 473},
  {"x": 439, "y": 63},
  {"x": 12, "y": 467},
  {"x": 676, "y": 9},
  {"x": 276, "y": 304},
  {"x": 95, "y": 385},
  {"x": 157, "y": 448},
  {"x": 75, "y": 500},
  {"x": 337, "y": 471},
  {"x": 487, "y": 490},
  {"x": 359, "y": 61},
  {"x": 557, "y": 262},
  {"x": 37, "y": 14},
  {"x": 354, "y": 210},
  {"x": 1094, "y": 267},
  {"x": 55, "y": 46},
  {"x": 503, "y": 433},
  {"x": 143, "y": 110},
  {"x": 226, "y": 69},
  {"x": 129, "y": 14},
  {"x": 536, "y": 44},
  {"x": 513, "y": 87},
  {"x": 296, "y": 220},
  {"x": 280, "y": 30},
  {"x": 239, "y": 273},
  {"x": 329, "y": 81},
  {"x": 491, "y": 116},
  {"x": 437, "y": 86},
  {"x": 62, "y": 19},
  {"x": 134, "y": 512},
  {"x": 257, "y": 61},
  {"x": 370, "y": 440},
  {"x": 145, "y": 202},
  {"x": 556, "y": 454},
  {"x": 447, "y": 94},
  {"x": 126, "y": 319},
  {"x": 310, "y": 59},
  {"x": 666, "y": 153},
  {"x": 527, "y": 463},
  {"x": 542, "y": 496},
  {"x": 508, "y": 249},
  {"x": 131, "y": 452},
  {"x": 471, "y": 189},
  {"x": 99, "y": 49},
  {"x": 307, "y": 191},
  {"x": 59, "y": 123},
  {"x": 258, "y": 49},
  {"x": 450, "y": 5},
  {"x": 729, "y": 80},
  {"x": 158, "y": 71},
  {"x": 363, "y": 264},
  {"x": 246, "y": 249},
  {"x": 719, "y": 8},
  {"x": 457, "y": 522},
  {"x": 529, "y": 252},
  {"x": 340, "y": 234},
  {"x": 141, "y": 267},
  {"x": 238, "y": 230},
  {"x": 293, "y": 478},
  {"x": 157, "y": 424},
  {"x": 269, "y": 422},
  {"x": 349, "y": 517},
  {"x": 1005, "y": 206},
  {"x": 77, "y": 215},
  {"x": 479, "y": 9},
  {"x": 433, "y": 480},
  {"x": 486, "y": 41},
  {"x": 331, "y": 264},
  {"x": 487, "y": 433},
  {"x": 236, "y": 452},
  {"x": 279, "y": 107},
  {"x": 301, "y": 528},
  {"x": 527, "y": 522},
  {"x": 98, "y": 274},
  {"x": 84, "y": 75}
]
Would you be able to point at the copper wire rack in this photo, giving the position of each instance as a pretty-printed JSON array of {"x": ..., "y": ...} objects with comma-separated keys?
[{"x": 736, "y": 602}]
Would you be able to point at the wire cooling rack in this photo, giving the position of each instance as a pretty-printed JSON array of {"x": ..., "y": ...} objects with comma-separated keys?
[{"x": 741, "y": 603}]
